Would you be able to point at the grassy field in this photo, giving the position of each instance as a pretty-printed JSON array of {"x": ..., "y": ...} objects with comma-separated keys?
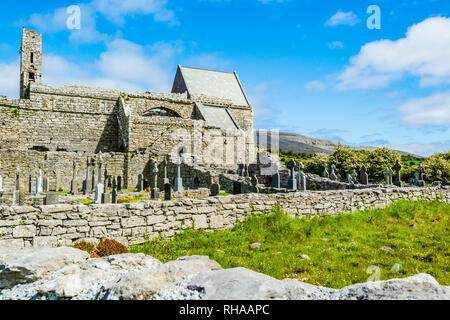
[{"x": 340, "y": 248}]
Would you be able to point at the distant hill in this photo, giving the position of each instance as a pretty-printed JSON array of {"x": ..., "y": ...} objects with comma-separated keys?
[{"x": 299, "y": 143}]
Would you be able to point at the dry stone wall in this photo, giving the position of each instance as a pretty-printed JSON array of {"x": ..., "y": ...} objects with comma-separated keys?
[{"x": 137, "y": 222}]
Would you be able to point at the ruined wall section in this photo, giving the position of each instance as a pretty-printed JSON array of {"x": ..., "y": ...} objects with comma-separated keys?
[{"x": 65, "y": 120}]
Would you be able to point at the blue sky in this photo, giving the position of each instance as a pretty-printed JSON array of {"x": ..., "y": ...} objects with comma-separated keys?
[{"x": 309, "y": 67}]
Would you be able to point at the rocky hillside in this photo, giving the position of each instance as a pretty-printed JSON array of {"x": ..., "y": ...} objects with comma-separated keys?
[
  {"x": 299, "y": 143},
  {"x": 67, "y": 273}
]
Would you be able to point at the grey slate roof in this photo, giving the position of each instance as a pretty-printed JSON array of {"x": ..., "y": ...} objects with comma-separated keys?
[
  {"x": 223, "y": 85},
  {"x": 217, "y": 117}
]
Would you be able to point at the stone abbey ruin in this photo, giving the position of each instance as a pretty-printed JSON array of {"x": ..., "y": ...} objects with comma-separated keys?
[
  {"x": 206, "y": 120},
  {"x": 62, "y": 146}
]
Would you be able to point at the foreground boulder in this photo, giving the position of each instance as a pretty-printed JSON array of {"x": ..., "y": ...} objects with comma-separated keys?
[
  {"x": 29, "y": 265},
  {"x": 69, "y": 274}
]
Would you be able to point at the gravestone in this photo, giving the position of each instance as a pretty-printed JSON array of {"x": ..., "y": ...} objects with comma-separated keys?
[
  {"x": 18, "y": 178},
  {"x": 240, "y": 169},
  {"x": 386, "y": 176},
  {"x": 22, "y": 195},
  {"x": 246, "y": 173},
  {"x": 237, "y": 187},
  {"x": 30, "y": 184},
  {"x": 440, "y": 182},
  {"x": 73, "y": 187},
  {"x": 155, "y": 190},
  {"x": 40, "y": 182},
  {"x": 1, "y": 185},
  {"x": 99, "y": 187},
  {"x": 16, "y": 194},
  {"x": 140, "y": 186},
  {"x": 276, "y": 180},
  {"x": 215, "y": 190},
  {"x": 325, "y": 173},
  {"x": 333, "y": 175},
  {"x": 87, "y": 183},
  {"x": 167, "y": 192},
  {"x": 354, "y": 176},
  {"x": 114, "y": 191},
  {"x": 398, "y": 179},
  {"x": 46, "y": 184},
  {"x": 178, "y": 187},
  {"x": 37, "y": 192},
  {"x": 390, "y": 175},
  {"x": 418, "y": 177},
  {"x": 339, "y": 177},
  {"x": 301, "y": 177},
  {"x": 51, "y": 199},
  {"x": 349, "y": 179},
  {"x": 119, "y": 183},
  {"x": 106, "y": 198},
  {"x": 364, "y": 178},
  {"x": 292, "y": 183}
]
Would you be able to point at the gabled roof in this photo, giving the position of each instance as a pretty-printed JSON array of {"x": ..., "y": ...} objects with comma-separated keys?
[{"x": 223, "y": 85}]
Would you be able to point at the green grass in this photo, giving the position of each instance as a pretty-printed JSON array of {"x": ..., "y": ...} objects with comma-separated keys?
[{"x": 341, "y": 247}]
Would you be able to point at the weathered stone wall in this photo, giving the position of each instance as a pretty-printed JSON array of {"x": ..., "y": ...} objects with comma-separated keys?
[{"x": 137, "y": 222}]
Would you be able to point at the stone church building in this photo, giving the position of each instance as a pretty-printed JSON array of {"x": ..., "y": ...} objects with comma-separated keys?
[{"x": 206, "y": 120}]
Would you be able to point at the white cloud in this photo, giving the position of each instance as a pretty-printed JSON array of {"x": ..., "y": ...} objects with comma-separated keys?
[
  {"x": 114, "y": 10},
  {"x": 315, "y": 86},
  {"x": 433, "y": 110},
  {"x": 423, "y": 149},
  {"x": 343, "y": 18},
  {"x": 423, "y": 53},
  {"x": 9, "y": 80}
]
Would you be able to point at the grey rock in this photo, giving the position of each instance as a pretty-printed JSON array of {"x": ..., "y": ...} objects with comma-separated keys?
[
  {"x": 244, "y": 284},
  {"x": 418, "y": 287},
  {"x": 142, "y": 285},
  {"x": 31, "y": 264},
  {"x": 254, "y": 246}
]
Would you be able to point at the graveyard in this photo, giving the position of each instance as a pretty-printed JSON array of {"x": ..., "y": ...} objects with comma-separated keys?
[
  {"x": 192, "y": 149},
  {"x": 179, "y": 174}
]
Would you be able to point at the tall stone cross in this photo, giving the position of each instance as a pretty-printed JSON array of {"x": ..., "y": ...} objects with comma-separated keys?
[
  {"x": 178, "y": 180},
  {"x": 99, "y": 168},
  {"x": 99, "y": 188},
  {"x": 398, "y": 178},
  {"x": 292, "y": 183},
  {"x": 155, "y": 171}
]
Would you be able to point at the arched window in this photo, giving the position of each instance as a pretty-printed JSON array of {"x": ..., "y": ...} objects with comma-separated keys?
[{"x": 161, "y": 112}]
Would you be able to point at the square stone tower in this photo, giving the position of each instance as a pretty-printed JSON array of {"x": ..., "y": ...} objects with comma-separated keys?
[{"x": 30, "y": 61}]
